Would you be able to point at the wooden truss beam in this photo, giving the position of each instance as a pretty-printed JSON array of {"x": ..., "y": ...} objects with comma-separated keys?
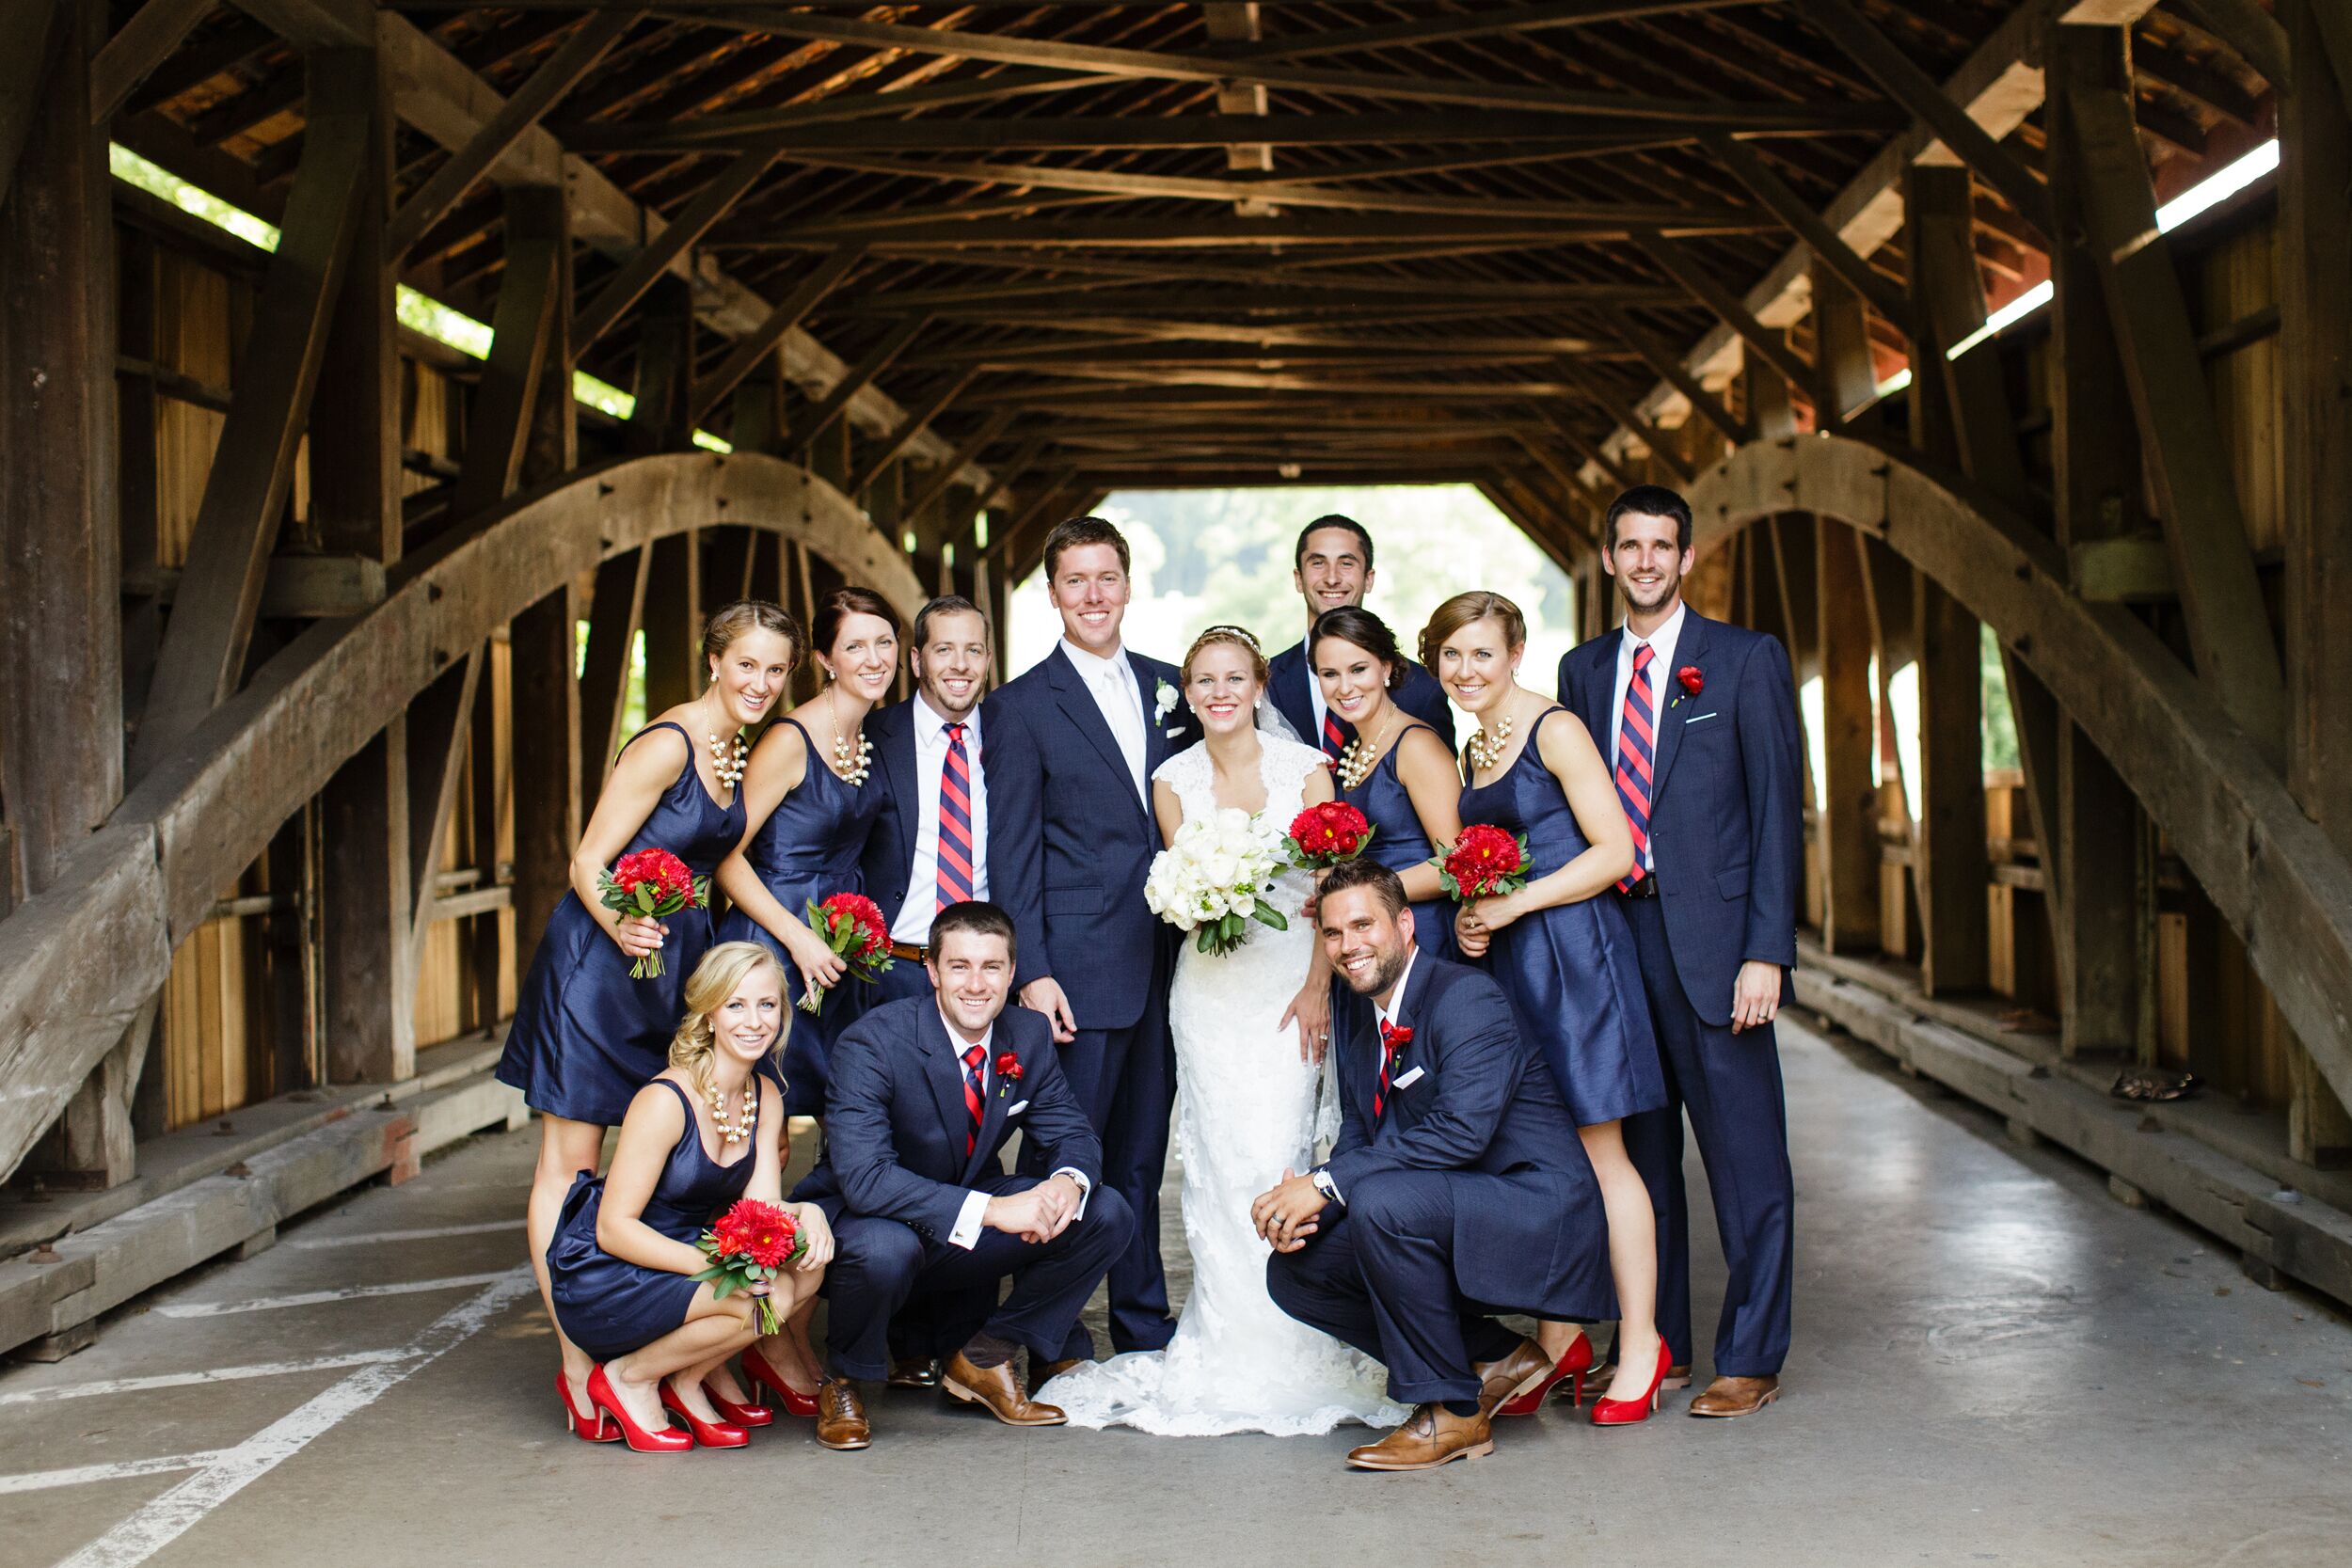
[
  {"x": 1748, "y": 167},
  {"x": 1479, "y": 23},
  {"x": 853, "y": 381},
  {"x": 1702, "y": 286},
  {"x": 155, "y": 30},
  {"x": 762, "y": 341},
  {"x": 716, "y": 199},
  {"x": 887, "y": 452},
  {"x": 27, "y": 29}
]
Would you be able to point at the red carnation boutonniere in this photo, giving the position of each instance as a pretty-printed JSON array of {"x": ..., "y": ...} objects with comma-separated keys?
[
  {"x": 1397, "y": 1040},
  {"x": 1692, "y": 683},
  {"x": 1008, "y": 1072}
]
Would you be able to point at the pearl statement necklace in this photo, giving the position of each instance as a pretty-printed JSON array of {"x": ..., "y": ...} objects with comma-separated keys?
[
  {"x": 853, "y": 762},
  {"x": 727, "y": 761},
  {"x": 1356, "y": 760},
  {"x": 731, "y": 1133},
  {"x": 1485, "y": 754}
]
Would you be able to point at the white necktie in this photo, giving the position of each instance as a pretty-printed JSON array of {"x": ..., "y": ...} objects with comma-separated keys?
[{"x": 1126, "y": 720}]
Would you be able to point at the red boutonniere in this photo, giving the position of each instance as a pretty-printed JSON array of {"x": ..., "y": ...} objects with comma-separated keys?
[
  {"x": 1692, "y": 683},
  {"x": 1008, "y": 1072}
]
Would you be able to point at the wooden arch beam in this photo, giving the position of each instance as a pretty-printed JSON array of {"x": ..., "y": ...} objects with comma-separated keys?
[
  {"x": 80, "y": 958},
  {"x": 2273, "y": 875}
]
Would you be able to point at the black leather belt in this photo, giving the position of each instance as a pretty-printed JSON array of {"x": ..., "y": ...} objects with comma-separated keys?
[
  {"x": 1646, "y": 888},
  {"x": 907, "y": 954}
]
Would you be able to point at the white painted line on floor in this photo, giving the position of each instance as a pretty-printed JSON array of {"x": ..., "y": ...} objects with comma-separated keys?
[
  {"x": 314, "y": 1298},
  {"x": 82, "y": 1475},
  {"x": 211, "y": 1374},
  {"x": 166, "y": 1518},
  {"x": 432, "y": 1233}
]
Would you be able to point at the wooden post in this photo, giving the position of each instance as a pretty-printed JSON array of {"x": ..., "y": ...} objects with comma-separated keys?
[
  {"x": 1848, "y": 817},
  {"x": 369, "y": 976},
  {"x": 354, "y": 424},
  {"x": 615, "y": 614},
  {"x": 665, "y": 370},
  {"x": 673, "y": 621},
  {"x": 1948, "y": 858},
  {"x": 1845, "y": 375},
  {"x": 544, "y": 739}
]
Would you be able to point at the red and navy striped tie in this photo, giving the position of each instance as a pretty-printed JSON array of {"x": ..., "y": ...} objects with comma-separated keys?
[
  {"x": 955, "y": 823},
  {"x": 1388, "y": 1059},
  {"x": 1334, "y": 736},
  {"x": 1636, "y": 740},
  {"x": 972, "y": 1100}
]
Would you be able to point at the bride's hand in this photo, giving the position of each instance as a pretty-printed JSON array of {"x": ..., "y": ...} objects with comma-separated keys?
[
  {"x": 1470, "y": 932},
  {"x": 1311, "y": 1009}
]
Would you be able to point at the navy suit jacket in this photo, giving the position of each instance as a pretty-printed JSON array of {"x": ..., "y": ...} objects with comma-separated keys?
[
  {"x": 1484, "y": 1102},
  {"x": 1288, "y": 677},
  {"x": 888, "y": 860},
  {"x": 896, "y": 1121},
  {"x": 1089, "y": 844},
  {"x": 1726, "y": 808}
]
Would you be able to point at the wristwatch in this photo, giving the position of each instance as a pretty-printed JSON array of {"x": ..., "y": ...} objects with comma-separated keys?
[{"x": 1324, "y": 1185}]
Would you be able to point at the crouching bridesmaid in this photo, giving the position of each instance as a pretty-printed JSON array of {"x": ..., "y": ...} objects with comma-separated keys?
[{"x": 621, "y": 1266}]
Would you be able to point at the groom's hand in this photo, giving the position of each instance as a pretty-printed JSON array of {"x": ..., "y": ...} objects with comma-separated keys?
[
  {"x": 1043, "y": 996},
  {"x": 1754, "y": 996},
  {"x": 1037, "y": 1214},
  {"x": 1286, "y": 1217}
]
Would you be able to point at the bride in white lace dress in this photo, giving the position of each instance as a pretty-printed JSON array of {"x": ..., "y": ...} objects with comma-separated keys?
[{"x": 1249, "y": 1029}]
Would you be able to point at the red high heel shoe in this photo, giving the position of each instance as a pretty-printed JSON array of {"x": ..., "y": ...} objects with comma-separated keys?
[
  {"x": 737, "y": 1415},
  {"x": 1574, "y": 1365},
  {"x": 1618, "y": 1413},
  {"x": 708, "y": 1434},
  {"x": 795, "y": 1402},
  {"x": 668, "y": 1439},
  {"x": 589, "y": 1426}
]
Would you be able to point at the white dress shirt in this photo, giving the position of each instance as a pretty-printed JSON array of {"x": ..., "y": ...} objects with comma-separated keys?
[
  {"x": 913, "y": 925},
  {"x": 968, "y": 1219},
  {"x": 1314, "y": 696},
  {"x": 1661, "y": 677},
  {"x": 1112, "y": 681}
]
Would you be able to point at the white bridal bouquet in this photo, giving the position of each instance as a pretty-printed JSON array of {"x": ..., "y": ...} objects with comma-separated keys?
[{"x": 1214, "y": 879}]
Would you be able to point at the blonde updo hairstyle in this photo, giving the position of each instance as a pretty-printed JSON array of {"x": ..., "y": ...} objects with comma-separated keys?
[
  {"x": 722, "y": 969},
  {"x": 1465, "y": 609},
  {"x": 745, "y": 616},
  {"x": 1238, "y": 637}
]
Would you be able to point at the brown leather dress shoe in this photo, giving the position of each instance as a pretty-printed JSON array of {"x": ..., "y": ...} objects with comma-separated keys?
[
  {"x": 1040, "y": 1374},
  {"x": 1736, "y": 1395},
  {"x": 997, "y": 1390},
  {"x": 840, "y": 1415},
  {"x": 1522, "y": 1370},
  {"x": 914, "y": 1371},
  {"x": 1431, "y": 1436}
]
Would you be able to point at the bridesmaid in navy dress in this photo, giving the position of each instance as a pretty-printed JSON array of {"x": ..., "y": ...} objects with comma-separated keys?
[
  {"x": 1561, "y": 951},
  {"x": 623, "y": 1259},
  {"x": 810, "y": 804},
  {"x": 587, "y": 1036},
  {"x": 1398, "y": 772}
]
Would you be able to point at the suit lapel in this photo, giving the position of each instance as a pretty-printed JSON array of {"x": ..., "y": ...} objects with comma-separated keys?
[
  {"x": 1077, "y": 704},
  {"x": 1156, "y": 745},
  {"x": 1690, "y": 648},
  {"x": 944, "y": 1075},
  {"x": 1600, "y": 690},
  {"x": 899, "y": 765}
]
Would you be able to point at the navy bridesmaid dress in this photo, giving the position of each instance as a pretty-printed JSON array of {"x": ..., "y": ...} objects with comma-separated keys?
[
  {"x": 808, "y": 849},
  {"x": 586, "y": 1036},
  {"x": 1400, "y": 843},
  {"x": 609, "y": 1306},
  {"x": 1570, "y": 970}
]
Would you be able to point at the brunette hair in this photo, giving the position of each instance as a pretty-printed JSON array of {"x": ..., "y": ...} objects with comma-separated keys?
[
  {"x": 1466, "y": 609},
  {"x": 1071, "y": 535},
  {"x": 1650, "y": 500},
  {"x": 1239, "y": 637},
  {"x": 838, "y": 606},
  {"x": 979, "y": 917},
  {"x": 729, "y": 622},
  {"x": 946, "y": 604},
  {"x": 722, "y": 969},
  {"x": 1356, "y": 625},
  {"x": 1331, "y": 519},
  {"x": 1363, "y": 871}
]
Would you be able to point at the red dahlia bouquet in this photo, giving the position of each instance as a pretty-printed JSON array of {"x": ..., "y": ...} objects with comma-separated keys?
[
  {"x": 1485, "y": 862},
  {"x": 654, "y": 884},
  {"x": 751, "y": 1244},
  {"x": 1328, "y": 834},
  {"x": 851, "y": 925}
]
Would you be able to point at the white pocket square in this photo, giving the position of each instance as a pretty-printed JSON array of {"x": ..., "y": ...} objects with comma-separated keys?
[
  {"x": 1174, "y": 731},
  {"x": 1406, "y": 1081},
  {"x": 1698, "y": 718},
  {"x": 1016, "y": 1107}
]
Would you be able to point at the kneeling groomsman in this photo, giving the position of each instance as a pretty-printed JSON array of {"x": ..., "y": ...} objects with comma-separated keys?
[{"x": 925, "y": 1094}]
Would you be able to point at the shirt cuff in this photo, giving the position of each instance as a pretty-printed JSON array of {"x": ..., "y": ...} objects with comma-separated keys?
[
  {"x": 1321, "y": 1177},
  {"x": 1086, "y": 1190},
  {"x": 967, "y": 1231}
]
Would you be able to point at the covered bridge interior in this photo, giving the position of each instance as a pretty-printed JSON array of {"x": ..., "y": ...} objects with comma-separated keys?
[{"x": 331, "y": 531}]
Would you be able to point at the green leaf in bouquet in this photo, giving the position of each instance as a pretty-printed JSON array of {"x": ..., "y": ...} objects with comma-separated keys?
[
  {"x": 1266, "y": 914},
  {"x": 645, "y": 899}
]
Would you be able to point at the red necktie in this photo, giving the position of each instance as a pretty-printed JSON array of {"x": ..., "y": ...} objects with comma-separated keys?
[
  {"x": 1389, "y": 1033},
  {"x": 972, "y": 1100},
  {"x": 1635, "y": 736},
  {"x": 955, "y": 823}
]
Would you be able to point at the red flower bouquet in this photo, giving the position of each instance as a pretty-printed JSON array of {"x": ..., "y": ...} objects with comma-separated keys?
[
  {"x": 750, "y": 1244},
  {"x": 1329, "y": 834},
  {"x": 652, "y": 884},
  {"x": 1484, "y": 862},
  {"x": 852, "y": 926}
]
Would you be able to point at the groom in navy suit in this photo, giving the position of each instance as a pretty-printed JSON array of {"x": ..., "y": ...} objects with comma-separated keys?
[
  {"x": 1700, "y": 720},
  {"x": 1331, "y": 566},
  {"x": 1457, "y": 1190},
  {"x": 1088, "y": 724}
]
